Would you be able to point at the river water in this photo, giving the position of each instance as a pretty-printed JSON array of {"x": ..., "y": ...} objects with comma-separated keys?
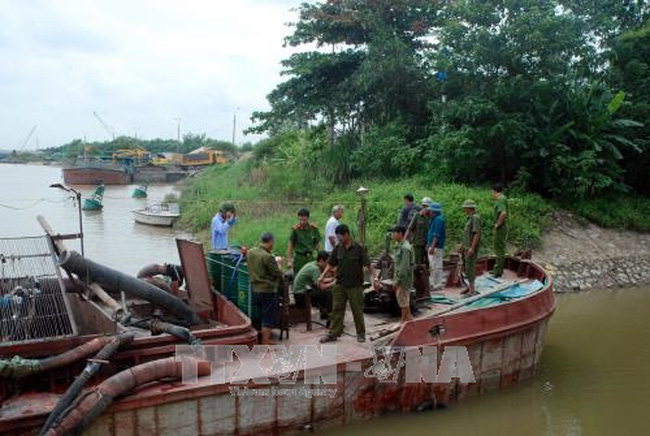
[
  {"x": 111, "y": 236},
  {"x": 594, "y": 379}
]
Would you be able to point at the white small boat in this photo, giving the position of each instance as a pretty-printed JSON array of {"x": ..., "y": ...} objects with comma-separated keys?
[{"x": 157, "y": 214}]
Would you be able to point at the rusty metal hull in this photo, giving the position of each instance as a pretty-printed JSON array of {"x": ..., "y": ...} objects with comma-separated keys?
[
  {"x": 504, "y": 345},
  {"x": 93, "y": 176}
]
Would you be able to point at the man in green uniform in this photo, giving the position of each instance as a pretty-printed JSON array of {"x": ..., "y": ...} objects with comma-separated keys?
[
  {"x": 265, "y": 276},
  {"x": 417, "y": 232},
  {"x": 347, "y": 261},
  {"x": 500, "y": 228},
  {"x": 471, "y": 243},
  {"x": 307, "y": 280},
  {"x": 404, "y": 264},
  {"x": 303, "y": 242}
]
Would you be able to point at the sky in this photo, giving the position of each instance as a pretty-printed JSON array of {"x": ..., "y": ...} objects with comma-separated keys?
[{"x": 140, "y": 64}]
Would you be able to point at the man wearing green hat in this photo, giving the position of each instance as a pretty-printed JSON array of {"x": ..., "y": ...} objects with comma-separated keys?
[
  {"x": 471, "y": 243},
  {"x": 303, "y": 242},
  {"x": 417, "y": 230},
  {"x": 500, "y": 228}
]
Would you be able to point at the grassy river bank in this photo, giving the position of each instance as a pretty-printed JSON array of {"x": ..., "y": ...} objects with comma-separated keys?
[{"x": 263, "y": 207}]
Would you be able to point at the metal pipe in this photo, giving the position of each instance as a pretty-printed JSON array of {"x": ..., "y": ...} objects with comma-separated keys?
[
  {"x": 88, "y": 407},
  {"x": 89, "y": 371},
  {"x": 110, "y": 279}
]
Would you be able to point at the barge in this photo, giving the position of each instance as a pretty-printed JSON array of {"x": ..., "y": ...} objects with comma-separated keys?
[{"x": 502, "y": 340}]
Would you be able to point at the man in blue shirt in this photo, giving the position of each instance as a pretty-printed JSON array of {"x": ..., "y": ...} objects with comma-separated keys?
[
  {"x": 221, "y": 223},
  {"x": 436, "y": 245}
]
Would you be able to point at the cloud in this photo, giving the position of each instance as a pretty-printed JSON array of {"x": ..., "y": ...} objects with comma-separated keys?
[{"x": 139, "y": 64}]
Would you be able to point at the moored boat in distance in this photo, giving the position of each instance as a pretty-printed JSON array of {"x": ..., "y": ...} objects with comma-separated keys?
[
  {"x": 157, "y": 214},
  {"x": 93, "y": 172}
]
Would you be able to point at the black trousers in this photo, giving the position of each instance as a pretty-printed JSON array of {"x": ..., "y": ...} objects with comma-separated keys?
[{"x": 320, "y": 299}]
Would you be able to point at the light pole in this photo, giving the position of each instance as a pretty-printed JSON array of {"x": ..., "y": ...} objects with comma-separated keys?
[
  {"x": 76, "y": 194},
  {"x": 362, "y": 217}
]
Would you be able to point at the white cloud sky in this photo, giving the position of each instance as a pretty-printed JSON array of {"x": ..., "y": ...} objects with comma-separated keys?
[{"x": 139, "y": 64}]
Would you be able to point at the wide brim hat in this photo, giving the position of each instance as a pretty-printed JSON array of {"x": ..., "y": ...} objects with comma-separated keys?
[
  {"x": 469, "y": 204},
  {"x": 435, "y": 207}
]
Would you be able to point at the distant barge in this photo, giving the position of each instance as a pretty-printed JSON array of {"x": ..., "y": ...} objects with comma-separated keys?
[
  {"x": 504, "y": 342},
  {"x": 116, "y": 174}
]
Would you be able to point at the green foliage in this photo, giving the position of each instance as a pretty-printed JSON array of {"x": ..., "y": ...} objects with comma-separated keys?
[
  {"x": 261, "y": 209},
  {"x": 632, "y": 213}
]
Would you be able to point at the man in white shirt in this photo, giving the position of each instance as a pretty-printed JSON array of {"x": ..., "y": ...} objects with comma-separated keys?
[{"x": 330, "y": 228}]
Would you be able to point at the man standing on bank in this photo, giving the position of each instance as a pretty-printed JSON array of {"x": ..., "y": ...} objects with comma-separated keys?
[
  {"x": 500, "y": 228},
  {"x": 221, "y": 224},
  {"x": 404, "y": 264},
  {"x": 265, "y": 276},
  {"x": 347, "y": 261},
  {"x": 303, "y": 242},
  {"x": 330, "y": 228},
  {"x": 408, "y": 211},
  {"x": 471, "y": 243}
]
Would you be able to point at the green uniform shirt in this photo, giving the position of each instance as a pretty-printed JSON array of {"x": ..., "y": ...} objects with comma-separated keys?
[
  {"x": 501, "y": 205},
  {"x": 404, "y": 263},
  {"x": 307, "y": 277},
  {"x": 265, "y": 275},
  {"x": 419, "y": 228},
  {"x": 350, "y": 262},
  {"x": 472, "y": 226},
  {"x": 304, "y": 239}
]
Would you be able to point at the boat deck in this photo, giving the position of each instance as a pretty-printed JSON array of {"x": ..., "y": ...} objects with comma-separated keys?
[{"x": 382, "y": 324}]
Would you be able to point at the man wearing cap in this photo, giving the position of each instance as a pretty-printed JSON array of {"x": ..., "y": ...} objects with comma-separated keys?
[
  {"x": 471, "y": 243},
  {"x": 221, "y": 223},
  {"x": 436, "y": 245},
  {"x": 330, "y": 227},
  {"x": 347, "y": 262},
  {"x": 303, "y": 242},
  {"x": 417, "y": 230},
  {"x": 404, "y": 264},
  {"x": 500, "y": 228},
  {"x": 265, "y": 276}
]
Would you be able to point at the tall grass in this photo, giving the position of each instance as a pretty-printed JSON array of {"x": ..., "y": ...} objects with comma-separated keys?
[{"x": 265, "y": 204}]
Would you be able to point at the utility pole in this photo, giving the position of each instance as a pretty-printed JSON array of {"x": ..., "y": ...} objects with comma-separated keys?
[
  {"x": 178, "y": 129},
  {"x": 234, "y": 125}
]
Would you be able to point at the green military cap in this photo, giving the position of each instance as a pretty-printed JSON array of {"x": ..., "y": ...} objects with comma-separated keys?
[{"x": 469, "y": 204}]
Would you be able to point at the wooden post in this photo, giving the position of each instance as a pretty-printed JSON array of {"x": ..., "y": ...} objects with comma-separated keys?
[{"x": 362, "y": 217}]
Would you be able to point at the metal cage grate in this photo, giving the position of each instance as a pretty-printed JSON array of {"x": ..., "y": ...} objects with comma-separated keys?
[{"x": 33, "y": 305}]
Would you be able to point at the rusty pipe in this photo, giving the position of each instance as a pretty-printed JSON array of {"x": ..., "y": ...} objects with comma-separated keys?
[
  {"x": 19, "y": 367},
  {"x": 89, "y": 371},
  {"x": 84, "y": 411},
  {"x": 113, "y": 280}
]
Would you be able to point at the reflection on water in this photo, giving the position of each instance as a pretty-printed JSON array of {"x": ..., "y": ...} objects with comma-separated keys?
[
  {"x": 593, "y": 379},
  {"x": 111, "y": 236}
]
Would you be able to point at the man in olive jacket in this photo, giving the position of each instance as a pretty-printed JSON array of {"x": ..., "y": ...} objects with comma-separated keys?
[{"x": 265, "y": 276}]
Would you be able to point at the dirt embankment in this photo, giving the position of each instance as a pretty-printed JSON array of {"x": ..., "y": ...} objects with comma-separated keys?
[{"x": 587, "y": 256}]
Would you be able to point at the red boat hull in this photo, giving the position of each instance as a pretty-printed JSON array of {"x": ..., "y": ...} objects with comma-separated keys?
[{"x": 95, "y": 176}]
